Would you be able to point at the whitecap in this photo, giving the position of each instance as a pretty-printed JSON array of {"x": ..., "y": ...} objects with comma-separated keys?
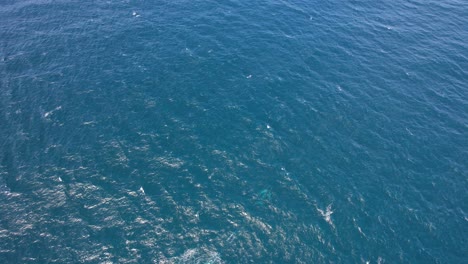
[
  {"x": 52, "y": 111},
  {"x": 327, "y": 214}
]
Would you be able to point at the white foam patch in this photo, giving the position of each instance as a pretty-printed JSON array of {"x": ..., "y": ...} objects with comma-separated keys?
[
  {"x": 170, "y": 162},
  {"x": 47, "y": 114},
  {"x": 198, "y": 255},
  {"x": 141, "y": 220},
  {"x": 89, "y": 123},
  {"x": 266, "y": 228},
  {"x": 326, "y": 214},
  {"x": 358, "y": 227}
]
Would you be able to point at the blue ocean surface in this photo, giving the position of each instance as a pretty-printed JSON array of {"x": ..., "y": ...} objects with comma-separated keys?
[{"x": 271, "y": 131}]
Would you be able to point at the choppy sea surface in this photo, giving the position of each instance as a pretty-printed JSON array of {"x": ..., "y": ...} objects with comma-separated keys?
[{"x": 271, "y": 131}]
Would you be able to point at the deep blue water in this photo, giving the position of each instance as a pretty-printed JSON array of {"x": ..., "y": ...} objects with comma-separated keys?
[{"x": 274, "y": 131}]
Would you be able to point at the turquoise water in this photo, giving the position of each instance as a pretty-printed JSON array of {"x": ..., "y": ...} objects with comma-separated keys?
[{"x": 233, "y": 131}]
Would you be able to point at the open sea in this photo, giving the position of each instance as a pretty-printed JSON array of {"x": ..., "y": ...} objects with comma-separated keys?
[{"x": 269, "y": 131}]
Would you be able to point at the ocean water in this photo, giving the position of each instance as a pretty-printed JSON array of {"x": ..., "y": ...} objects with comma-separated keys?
[{"x": 272, "y": 131}]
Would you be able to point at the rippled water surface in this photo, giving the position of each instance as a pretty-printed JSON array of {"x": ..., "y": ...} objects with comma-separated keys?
[{"x": 274, "y": 131}]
